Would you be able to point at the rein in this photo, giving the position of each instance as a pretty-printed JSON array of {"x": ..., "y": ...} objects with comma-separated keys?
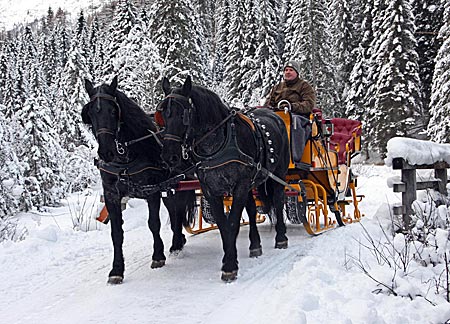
[{"x": 231, "y": 115}]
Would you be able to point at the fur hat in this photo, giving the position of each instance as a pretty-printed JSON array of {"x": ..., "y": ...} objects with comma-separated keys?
[{"x": 293, "y": 65}]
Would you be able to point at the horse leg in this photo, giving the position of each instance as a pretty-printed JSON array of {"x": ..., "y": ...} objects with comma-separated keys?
[
  {"x": 176, "y": 206},
  {"x": 229, "y": 230},
  {"x": 115, "y": 215},
  {"x": 255, "y": 240},
  {"x": 281, "y": 240},
  {"x": 154, "y": 223}
]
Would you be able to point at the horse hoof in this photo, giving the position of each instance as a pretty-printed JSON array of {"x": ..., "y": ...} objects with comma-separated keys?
[
  {"x": 255, "y": 252},
  {"x": 157, "y": 264},
  {"x": 115, "y": 280},
  {"x": 175, "y": 253},
  {"x": 281, "y": 245},
  {"x": 229, "y": 276}
]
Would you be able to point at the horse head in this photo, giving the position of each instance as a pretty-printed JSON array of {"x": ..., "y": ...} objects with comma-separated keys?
[
  {"x": 103, "y": 112},
  {"x": 176, "y": 111}
]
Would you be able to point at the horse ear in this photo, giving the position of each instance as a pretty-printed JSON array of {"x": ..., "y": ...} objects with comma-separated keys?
[
  {"x": 89, "y": 87},
  {"x": 187, "y": 86},
  {"x": 165, "y": 84},
  {"x": 113, "y": 84}
]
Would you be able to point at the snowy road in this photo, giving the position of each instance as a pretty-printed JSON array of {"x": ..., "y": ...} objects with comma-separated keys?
[{"x": 58, "y": 275}]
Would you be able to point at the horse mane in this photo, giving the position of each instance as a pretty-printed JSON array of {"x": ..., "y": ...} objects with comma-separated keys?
[
  {"x": 206, "y": 102},
  {"x": 136, "y": 121}
]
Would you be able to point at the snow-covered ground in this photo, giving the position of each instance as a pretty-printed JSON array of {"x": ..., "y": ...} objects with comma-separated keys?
[{"x": 58, "y": 275}]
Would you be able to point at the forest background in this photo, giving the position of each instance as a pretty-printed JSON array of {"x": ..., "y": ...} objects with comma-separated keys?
[{"x": 384, "y": 62}]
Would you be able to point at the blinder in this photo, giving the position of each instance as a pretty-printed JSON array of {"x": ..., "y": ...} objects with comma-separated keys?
[
  {"x": 177, "y": 98},
  {"x": 114, "y": 100}
]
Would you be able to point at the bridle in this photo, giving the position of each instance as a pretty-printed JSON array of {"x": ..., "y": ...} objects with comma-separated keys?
[
  {"x": 120, "y": 147},
  {"x": 188, "y": 111},
  {"x": 114, "y": 100}
]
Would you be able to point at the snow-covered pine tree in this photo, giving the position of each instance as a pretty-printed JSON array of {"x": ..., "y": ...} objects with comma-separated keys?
[
  {"x": 396, "y": 103},
  {"x": 96, "y": 45},
  {"x": 267, "y": 57},
  {"x": 355, "y": 98},
  {"x": 10, "y": 169},
  {"x": 38, "y": 145},
  {"x": 140, "y": 70},
  {"x": 177, "y": 35},
  {"x": 343, "y": 45},
  {"x": 439, "y": 125},
  {"x": 223, "y": 23},
  {"x": 19, "y": 57},
  {"x": 428, "y": 17},
  {"x": 71, "y": 96},
  {"x": 120, "y": 26},
  {"x": 249, "y": 65},
  {"x": 235, "y": 52},
  {"x": 206, "y": 10},
  {"x": 308, "y": 41}
]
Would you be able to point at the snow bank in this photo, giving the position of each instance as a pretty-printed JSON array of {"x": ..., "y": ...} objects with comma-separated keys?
[{"x": 416, "y": 151}]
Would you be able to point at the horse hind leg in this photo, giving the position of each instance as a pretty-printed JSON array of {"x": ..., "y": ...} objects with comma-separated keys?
[
  {"x": 255, "y": 240},
  {"x": 178, "y": 207},
  {"x": 281, "y": 240}
]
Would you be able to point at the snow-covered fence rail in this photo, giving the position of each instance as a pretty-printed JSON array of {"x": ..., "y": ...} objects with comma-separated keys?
[
  {"x": 409, "y": 184},
  {"x": 410, "y": 155}
]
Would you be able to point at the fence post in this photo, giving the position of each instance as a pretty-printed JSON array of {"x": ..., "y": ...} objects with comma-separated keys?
[
  {"x": 408, "y": 197},
  {"x": 441, "y": 174}
]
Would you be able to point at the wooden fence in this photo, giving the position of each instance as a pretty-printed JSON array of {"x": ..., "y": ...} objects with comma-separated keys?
[{"x": 409, "y": 184}]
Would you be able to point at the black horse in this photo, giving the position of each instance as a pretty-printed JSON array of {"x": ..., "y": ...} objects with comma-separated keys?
[
  {"x": 232, "y": 154},
  {"x": 131, "y": 165}
]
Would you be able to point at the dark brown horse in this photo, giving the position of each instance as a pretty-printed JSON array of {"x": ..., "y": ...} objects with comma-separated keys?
[
  {"x": 130, "y": 165},
  {"x": 232, "y": 154}
]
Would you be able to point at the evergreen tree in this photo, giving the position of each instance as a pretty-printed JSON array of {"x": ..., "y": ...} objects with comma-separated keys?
[
  {"x": 249, "y": 62},
  {"x": 267, "y": 57},
  {"x": 71, "y": 94},
  {"x": 343, "y": 46},
  {"x": 96, "y": 57},
  {"x": 355, "y": 98},
  {"x": 177, "y": 35},
  {"x": 124, "y": 20},
  {"x": 221, "y": 42},
  {"x": 439, "y": 125},
  {"x": 396, "y": 102},
  {"x": 309, "y": 42},
  {"x": 141, "y": 69},
  {"x": 39, "y": 149},
  {"x": 10, "y": 169},
  {"x": 428, "y": 17},
  {"x": 235, "y": 52}
]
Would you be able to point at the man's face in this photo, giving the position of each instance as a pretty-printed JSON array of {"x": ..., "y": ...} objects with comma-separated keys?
[{"x": 289, "y": 74}]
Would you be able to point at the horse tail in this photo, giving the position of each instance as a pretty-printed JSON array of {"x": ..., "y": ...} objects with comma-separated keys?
[{"x": 191, "y": 208}]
